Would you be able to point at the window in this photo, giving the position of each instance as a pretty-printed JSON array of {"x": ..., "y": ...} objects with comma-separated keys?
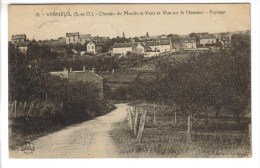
[{"x": 93, "y": 47}]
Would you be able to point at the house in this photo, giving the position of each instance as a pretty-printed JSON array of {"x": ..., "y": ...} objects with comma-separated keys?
[
  {"x": 146, "y": 37},
  {"x": 20, "y": 41},
  {"x": 188, "y": 43},
  {"x": 84, "y": 76},
  {"x": 225, "y": 39},
  {"x": 84, "y": 38},
  {"x": 122, "y": 48},
  {"x": 22, "y": 46},
  {"x": 163, "y": 45},
  {"x": 94, "y": 47},
  {"x": 18, "y": 38},
  {"x": 207, "y": 39},
  {"x": 140, "y": 48},
  {"x": 136, "y": 47},
  {"x": 72, "y": 38}
]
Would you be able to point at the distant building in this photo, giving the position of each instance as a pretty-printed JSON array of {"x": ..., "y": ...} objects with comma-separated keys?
[
  {"x": 18, "y": 38},
  {"x": 84, "y": 38},
  {"x": 122, "y": 48},
  {"x": 84, "y": 76},
  {"x": 20, "y": 41},
  {"x": 208, "y": 39},
  {"x": 188, "y": 43},
  {"x": 22, "y": 46},
  {"x": 146, "y": 37},
  {"x": 225, "y": 39},
  {"x": 164, "y": 45},
  {"x": 142, "y": 47},
  {"x": 72, "y": 38},
  {"x": 95, "y": 47}
]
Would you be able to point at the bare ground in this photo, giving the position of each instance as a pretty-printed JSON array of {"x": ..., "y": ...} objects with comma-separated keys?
[{"x": 89, "y": 139}]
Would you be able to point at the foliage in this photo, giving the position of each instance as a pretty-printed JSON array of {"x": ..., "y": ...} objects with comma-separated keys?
[
  {"x": 219, "y": 78},
  {"x": 29, "y": 81}
]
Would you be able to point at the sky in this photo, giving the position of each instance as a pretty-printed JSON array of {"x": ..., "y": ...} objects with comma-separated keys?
[{"x": 23, "y": 19}]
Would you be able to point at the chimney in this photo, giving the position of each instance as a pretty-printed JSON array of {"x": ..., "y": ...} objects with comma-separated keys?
[
  {"x": 71, "y": 70},
  {"x": 84, "y": 68}
]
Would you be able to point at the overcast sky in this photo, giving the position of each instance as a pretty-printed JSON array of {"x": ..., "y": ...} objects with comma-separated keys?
[{"x": 23, "y": 20}]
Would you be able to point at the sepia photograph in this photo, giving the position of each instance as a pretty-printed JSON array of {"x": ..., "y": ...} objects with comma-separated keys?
[{"x": 129, "y": 80}]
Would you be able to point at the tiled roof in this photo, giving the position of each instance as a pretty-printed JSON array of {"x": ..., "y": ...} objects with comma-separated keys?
[
  {"x": 164, "y": 42},
  {"x": 18, "y": 36},
  {"x": 85, "y": 36},
  {"x": 122, "y": 45},
  {"x": 72, "y": 34},
  {"x": 156, "y": 43},
  {"x": 208, "y": 36},
  {"x": 188, "y": 39},
  {"x": 146, "y": 47},
  {"x": 151, "y": 43}
]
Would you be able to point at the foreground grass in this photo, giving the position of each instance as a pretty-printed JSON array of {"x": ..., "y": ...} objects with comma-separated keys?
[{"x": 166, "y": 139}]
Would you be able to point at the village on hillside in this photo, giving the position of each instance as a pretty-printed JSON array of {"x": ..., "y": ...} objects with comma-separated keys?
[{"x": 120, "y": 46}]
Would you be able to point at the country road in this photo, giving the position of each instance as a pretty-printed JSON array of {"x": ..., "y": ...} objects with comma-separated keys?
[{"x": 89, "y": 139}]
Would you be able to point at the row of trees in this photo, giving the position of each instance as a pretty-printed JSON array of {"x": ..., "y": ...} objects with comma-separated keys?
[
  {"x": 220, "y": 79},
  {"x": 29, "y": 81}
]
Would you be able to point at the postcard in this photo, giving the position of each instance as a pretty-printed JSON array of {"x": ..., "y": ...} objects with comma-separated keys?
[{"x": 129, "y": 80}]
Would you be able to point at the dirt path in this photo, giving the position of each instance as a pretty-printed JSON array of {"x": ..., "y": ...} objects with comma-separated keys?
[{"x": 86, "y": 140}]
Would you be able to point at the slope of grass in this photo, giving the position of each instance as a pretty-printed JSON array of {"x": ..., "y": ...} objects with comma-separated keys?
[{"x": 166, "y": 139}]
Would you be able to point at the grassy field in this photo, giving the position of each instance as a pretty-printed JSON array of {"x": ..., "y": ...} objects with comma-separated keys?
[{"x": 222, "y": 137}]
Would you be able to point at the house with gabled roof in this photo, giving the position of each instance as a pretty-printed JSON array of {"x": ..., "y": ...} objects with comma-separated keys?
[
  {"x": 18, "y": 38},
  {"x": 95, "y": 47},
  {"x": 208, "y": 39},
  {"x": 122, "y": 48},
  {"x": 188, "y": 43},
  {"x": 89, "y": 76},
  {"x": 163, "y": 45}
]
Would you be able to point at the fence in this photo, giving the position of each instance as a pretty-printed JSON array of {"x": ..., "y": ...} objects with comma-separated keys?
[{"x": 33, "y": 109}]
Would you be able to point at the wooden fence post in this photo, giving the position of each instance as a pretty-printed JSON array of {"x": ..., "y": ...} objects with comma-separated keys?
[
  {"x": 175, "y": 118},
  {"x": 130, "y": 123},
  {"x": 250, "y": 135},
  {"x": 154, "y": 115},
  {"x": 135, "y": 122},
  {"x": 15, "y": 114},
  {"x": 189, "y": 130},
  {"x": 141, "y": 126}
]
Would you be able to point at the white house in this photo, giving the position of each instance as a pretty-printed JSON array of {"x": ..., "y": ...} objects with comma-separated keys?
[
  {"x": 208, "y": 39},
  {"x": 72, "y": 38},
  {"x": 18, "y": 38},
  {"x": 160, "y": 45},
  {"x": 189, "y": 43},
  {"x": 91, "y": 47},
  {"x": 94, "y": 47},
  {"x": 141, "y": 48},
  {"x": 122, "y": 48}
]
